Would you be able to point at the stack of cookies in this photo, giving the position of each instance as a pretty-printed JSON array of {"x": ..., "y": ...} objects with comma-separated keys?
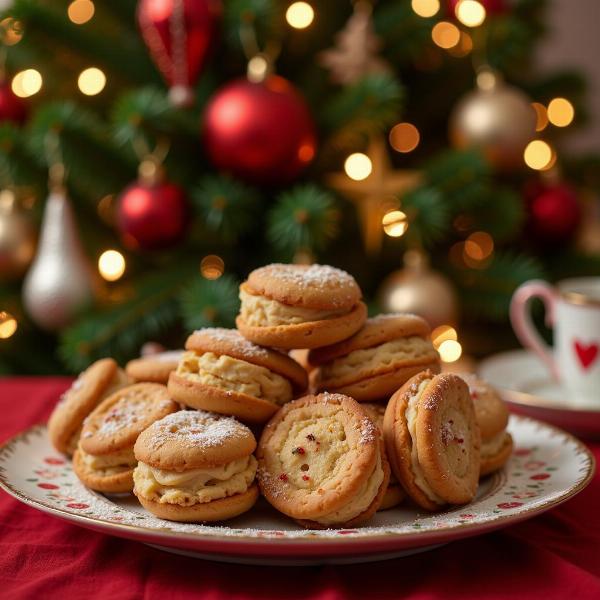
[{"x": 363, "y": 421}]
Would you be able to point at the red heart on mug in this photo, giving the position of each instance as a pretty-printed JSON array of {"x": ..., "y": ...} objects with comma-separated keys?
[{"x": 586, "y": 353}]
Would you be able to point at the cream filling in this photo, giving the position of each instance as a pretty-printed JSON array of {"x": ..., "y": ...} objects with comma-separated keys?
[
  {"x": 194, "y": 486},
  {"x": 360, "y": 502},
  {"x": 259, "y": 311},
  {"x": 384, "y": 355},
  {"x": 119, "y": 380},
  {"x": 411, "y": 420},
  {"x": 493, "y": 445},
  {"x": 229, "y": 373},
  {"x": 109, "y": 464}
]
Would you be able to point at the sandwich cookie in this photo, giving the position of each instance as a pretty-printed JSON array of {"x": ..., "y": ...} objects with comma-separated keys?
[
  {"x": 376, "y": 361},
  {"x": 432, "y": 440},
  {"x": 492, "y": 417},
  {"x": 196, "y": 466},
  {"x": 223, "y": 372},
  {"x": 394, "y": 493},
  {"x": 299, "y": 306},
  {"x": 321, "y": 462},
  {"x": 104, "y": 460},
  {"x": 98, "y": 381},
  {"x": 155, "y": 367}
]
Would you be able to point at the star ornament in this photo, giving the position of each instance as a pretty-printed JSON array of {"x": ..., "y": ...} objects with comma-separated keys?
[{"x": 377, "y": 193}]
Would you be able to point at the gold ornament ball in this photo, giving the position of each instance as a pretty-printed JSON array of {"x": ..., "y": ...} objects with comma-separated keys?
[
  {"x": 497, "y": 118},
  {"x": 418, "y": 289},
  {"x": 18, "y": 237}
]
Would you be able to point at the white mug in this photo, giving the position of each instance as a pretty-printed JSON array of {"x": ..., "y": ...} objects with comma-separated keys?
[{"x": 573, "y": 310}]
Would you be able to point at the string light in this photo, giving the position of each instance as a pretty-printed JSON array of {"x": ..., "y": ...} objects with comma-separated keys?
[
  {"x": 91, "y": 81},
  {"x": 358, "y": 166},
  {"x": 13, "y": 31},
  {"x": 426, "y": 8},
  {"x": 27, "y": 83},
  {"x": 441, "y": 334},
  {"x": 445, "y": 35},
  {"x": 300, "y": 15},
  {"x": 80, "y": 11},
  {"x": 539, "y": 155},
  {"x": 8, "y": 325},
  {"x": 111, "y": 265},
  {"x": 470, "y": 13},
  {"x": 395, "y": 223},
  {"x": 404, "y": 137},
  {"x": 450, "y": 351},
  {"x": 212, "y": 266},
  {"x": 541, "y": 115},
  {"x": 560, "y": 112}
]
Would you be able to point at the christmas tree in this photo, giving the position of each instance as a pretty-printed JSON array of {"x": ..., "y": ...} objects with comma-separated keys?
[{"x": 181, "y": 143}]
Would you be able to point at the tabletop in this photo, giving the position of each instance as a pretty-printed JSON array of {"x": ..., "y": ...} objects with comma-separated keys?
[{"x": 554, "y": 555}]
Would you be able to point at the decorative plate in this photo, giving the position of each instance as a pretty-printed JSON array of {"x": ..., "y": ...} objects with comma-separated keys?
[
  {"x": 528, "y": 388},
  {"x": 548, "y": 467}
]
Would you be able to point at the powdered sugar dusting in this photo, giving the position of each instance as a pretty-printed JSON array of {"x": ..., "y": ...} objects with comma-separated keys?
[
  {"x": 308, "y": 277},
  {"x": 368, "y": 431},
  {"x": 235, "y": 339},
  {"x": 195, "y": 429}
]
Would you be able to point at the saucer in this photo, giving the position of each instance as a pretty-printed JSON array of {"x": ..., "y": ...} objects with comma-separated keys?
[{"x": 527, "y": 386}]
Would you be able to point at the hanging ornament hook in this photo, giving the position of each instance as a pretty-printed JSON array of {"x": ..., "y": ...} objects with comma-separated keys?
[
  {"x": 150, "y": 170},
  {"x": 54, "y": 157},
  {"x": 261, "y": 63}
]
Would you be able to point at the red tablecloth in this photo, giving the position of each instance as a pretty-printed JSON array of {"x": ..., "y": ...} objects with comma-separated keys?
[{"x": 556, "y": 555}]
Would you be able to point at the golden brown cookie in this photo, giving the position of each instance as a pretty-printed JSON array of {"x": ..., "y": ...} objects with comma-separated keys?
[
  {"x": 223, "y": 372},
  {"x": 432, "y": 440},
  {"x": 104, "y": 460},
  {"x": 299, "y": 306},
  {"x": 378, "y": 359},
  {"x": 492, "y": 417},
  {"x": 394, "y": 493},
  {"x": 98, "y": 381},
  {"x": 196, "y": 466},
  {"x": 155, "y": 367},
  {"x": 321, "y": 462}
]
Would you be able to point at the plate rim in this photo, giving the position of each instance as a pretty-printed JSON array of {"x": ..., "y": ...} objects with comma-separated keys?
[{"x": 234, "y": 543}]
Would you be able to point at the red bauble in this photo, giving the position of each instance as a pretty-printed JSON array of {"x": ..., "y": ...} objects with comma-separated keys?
[
  {"x": 12, "y": 108},
  {"x": 554, "y": 213},
  {"x": 492, "y": 7},
  {"x": 151, "y": 216},
  {"x": 261, "y": 132},
  {"x": 179, "y": 35}
]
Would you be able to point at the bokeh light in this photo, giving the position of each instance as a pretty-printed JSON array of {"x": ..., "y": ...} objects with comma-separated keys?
[
  {"x": 91, "y": 81},
  {"x": 450, "y": 351},
  {"x": 395, "y": 223},
  {"x": 470, "y": 13},
  {"x": 479, "y": 246},
  {"x": 80, "y": 11},
  {"x": 560, "y": 112},
  {"x": 539, "y": 155},
  {"x": 445, "y": 35},
  {"x": 464, "y": 46},
  {"x": 541, "y": 115},
  {"x": 212, "y": 267},
  {"x": 258, "y": 67},
  {"x": 442, "y": 333},
  {"x": 111, "y": 265},
  {"x": 27, "y": 83},
  {"x": 12, "y": 31},
  {"x": 426, "y": 8},
  {"x": 404, "y": 137},
  {"x": 358, "y": 166},
  {"x": 300, "y": 15},
  {"x": 8, "y": 325}
]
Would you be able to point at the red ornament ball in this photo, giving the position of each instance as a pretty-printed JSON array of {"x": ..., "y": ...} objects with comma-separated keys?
[
  {"x": 179, "y": 35},
  {"x": 492, "y": 7},
  {"x": 152, "y": 216},
  {"x": 260, "y": 132},
  {"x": 554, "y": 213},
  {"x": 12, "y": 108}
]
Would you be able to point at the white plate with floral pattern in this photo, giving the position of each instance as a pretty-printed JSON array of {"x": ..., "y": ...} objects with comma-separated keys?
[{"x": 548, "y": 467}]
